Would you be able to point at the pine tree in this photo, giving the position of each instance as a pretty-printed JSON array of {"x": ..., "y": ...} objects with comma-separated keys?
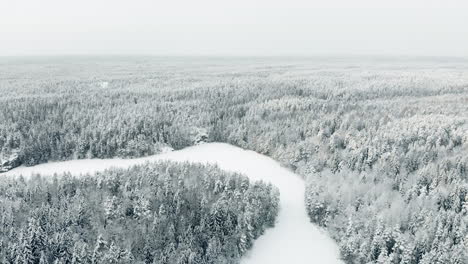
[
  {"x": 36, "y": 238},
  {"x": 99, "y": 250},
  {"x": 111, "y": 208},
  {"x": 126, "y": 257},
  {"x": 142, "y": 208},
  {"x": 27, "y": 254},
  {"x": 213, "y": 250},
  {"x": 113, "y": 254},
  {"x": 243, "y": 243},
  {"x": 59, "y": 261},
  {"x": 80, "y": 254}
]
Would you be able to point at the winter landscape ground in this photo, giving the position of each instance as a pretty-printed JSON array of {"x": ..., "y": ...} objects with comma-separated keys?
[
  {"x": 372, "y": 150},
  {"x": 293, "y": 239}
]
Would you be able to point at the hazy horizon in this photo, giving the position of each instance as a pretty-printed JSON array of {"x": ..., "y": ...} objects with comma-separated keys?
[{"x": 432, "y": 28}]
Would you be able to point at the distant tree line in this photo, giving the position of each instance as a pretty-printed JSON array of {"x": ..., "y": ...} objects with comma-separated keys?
[
  {"x": 383, "y": 146},
  {"x": 153, "y": 213}
]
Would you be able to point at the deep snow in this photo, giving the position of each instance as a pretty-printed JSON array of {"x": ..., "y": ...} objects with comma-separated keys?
[{"x": 293, "y": 239}]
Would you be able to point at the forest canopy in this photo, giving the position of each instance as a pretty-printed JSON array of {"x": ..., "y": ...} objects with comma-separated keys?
[
  {"x": 154, "y": 213},
  {"x": 382, "y": 144}
]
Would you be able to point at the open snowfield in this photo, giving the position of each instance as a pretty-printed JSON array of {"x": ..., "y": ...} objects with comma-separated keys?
[{"x": 293, "y": 240}]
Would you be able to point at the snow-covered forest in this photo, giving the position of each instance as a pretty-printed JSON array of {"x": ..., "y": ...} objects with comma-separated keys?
[
  {"x": 382, "y": 143},
  {"x": 152, "y": 213}
]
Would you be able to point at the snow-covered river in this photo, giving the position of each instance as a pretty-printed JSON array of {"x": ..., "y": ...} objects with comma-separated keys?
[{"x": 293, "y": 240}]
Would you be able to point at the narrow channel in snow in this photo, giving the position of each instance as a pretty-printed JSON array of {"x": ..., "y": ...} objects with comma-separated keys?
[{"x": 293, "y": 239}]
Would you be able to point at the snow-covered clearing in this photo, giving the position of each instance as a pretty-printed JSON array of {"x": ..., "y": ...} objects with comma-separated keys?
[{"x": 293, "y": 240}]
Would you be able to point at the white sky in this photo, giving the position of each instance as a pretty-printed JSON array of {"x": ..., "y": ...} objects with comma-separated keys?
[{"x": 235, "y": 27}]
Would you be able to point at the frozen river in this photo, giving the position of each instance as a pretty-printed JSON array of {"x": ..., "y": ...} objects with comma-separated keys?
[{"x": 293, "y": 239}]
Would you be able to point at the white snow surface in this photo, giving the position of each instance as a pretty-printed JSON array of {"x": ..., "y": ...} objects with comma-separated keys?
[{"x": 294, "y": 239}]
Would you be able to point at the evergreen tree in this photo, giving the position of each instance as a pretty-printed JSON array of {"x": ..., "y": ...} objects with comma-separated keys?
[{"x": 99, "y": 250}]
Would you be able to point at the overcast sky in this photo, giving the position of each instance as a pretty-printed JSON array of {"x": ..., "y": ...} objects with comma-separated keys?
[{"x": 235, "y": 27}]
